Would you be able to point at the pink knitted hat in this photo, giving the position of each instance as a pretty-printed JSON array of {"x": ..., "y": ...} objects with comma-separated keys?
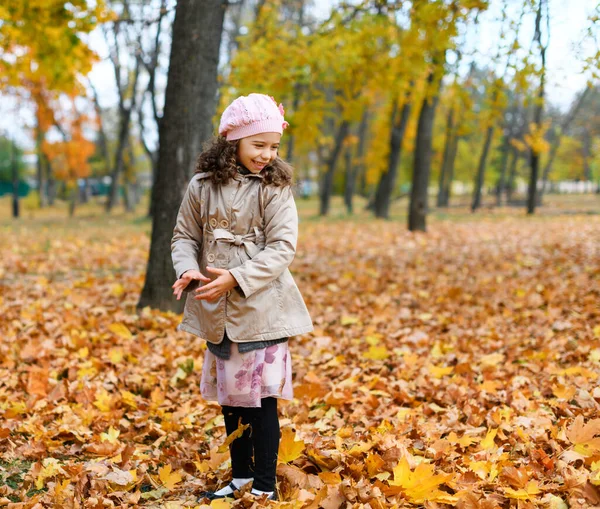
[{"x": 250, "y": 115}]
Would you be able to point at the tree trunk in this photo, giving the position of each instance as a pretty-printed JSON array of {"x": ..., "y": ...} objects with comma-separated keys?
[
  {"x": 51, "y": 183},
  {"x": 448, "y": 184},
  {"x": 361, "y": 167},
  {"x": 123, "y": 140},
  {"x": 349, "y": 184},
  {"x": 72, "y": 193},
  {"x": 481, "y": 169},
  {"x": 190, "y": 103},
  {"x": 327, "y": 182},
  {"x": 587, "y": 151},
  {"x": 535, "y": 156},
  {"x": 41, "y": 168},
  {"x": 510, "y": 187},
  {"x": 417, "y": 214},
  {"x": 445, "y": 169},
  {"x": 503, "y": 166},
  {"x": 15, "y": 179},
  {"x": 387, "y": 181}
]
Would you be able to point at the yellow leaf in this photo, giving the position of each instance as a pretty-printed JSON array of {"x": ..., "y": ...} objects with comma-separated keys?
[
  {"x": 220, "y": 503},
  {"x": 349, "y": 320},
  {"x": 583, "y": 436},
  {"x": 330, "y": 477},
  {"x": 488, "y": 441},
  {"x": 103, "y": 400},
  {"x": 372, "y": 340},
  {"x": 492, "y": 359},
  {"x": 111, "y": 436},
  {"x": 421, "y": 485},
  {"x": 50, "y": 469},
  {"x": 526, "y": 493},
  {"x": 358, "y": 449},
  {"x": 555, "y": 502},
  {"x": 115, "y": 355},
  {"x": 60, "y": 488},
  {"x": 377, "y": 353},
  {"x": 563, "y": 391},
  {"x": 374, "y": 464},
  {"x": 117, "y": 289},
  {"x": 129, "y": 399},
  {"x": 464, "y": 441},
  {"x": 224, "y": 447},
  {"x": 120, "y": 330},
  {"x": 289, "y": 447},
  {"x": 597, "y": 331},
  {"x": 440, "y": 371},
  {"x": 169, "y": 479}
]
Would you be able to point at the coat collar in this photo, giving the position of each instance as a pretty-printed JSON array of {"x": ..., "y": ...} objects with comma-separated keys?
[{"x": 242, "y": 170}]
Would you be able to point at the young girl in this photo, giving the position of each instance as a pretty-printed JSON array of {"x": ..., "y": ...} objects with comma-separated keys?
[{"x": 234, "y": 239}]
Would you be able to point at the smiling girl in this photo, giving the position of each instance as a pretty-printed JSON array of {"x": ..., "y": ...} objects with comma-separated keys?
[{"x": 233, "y": 242}]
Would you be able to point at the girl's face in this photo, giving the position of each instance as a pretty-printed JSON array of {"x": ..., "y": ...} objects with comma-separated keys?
[{"x": 256, "y": 152}]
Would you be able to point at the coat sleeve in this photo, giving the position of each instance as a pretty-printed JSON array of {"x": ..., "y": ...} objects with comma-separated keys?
[
  {"x": 186, "y": 243},
  {"x": 281, "y": 237}
]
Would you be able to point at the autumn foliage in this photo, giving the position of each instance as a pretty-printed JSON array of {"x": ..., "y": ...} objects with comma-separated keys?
[{"x": 458, "y": 368}]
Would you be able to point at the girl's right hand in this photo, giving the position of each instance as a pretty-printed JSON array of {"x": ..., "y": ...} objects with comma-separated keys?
[{"x": 186, "y": 278}]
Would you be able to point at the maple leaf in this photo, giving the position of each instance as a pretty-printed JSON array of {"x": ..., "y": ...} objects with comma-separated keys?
[
  {"x": 233, "y": 436},
  {"x": 51, "y": 467},
  {"x": 168, "y": 479},
  {"x": 111, "y": 436},
  {"x": 583, "y": 436},
  {"x": 220, "y": 504},
  {"x": 488, "y": 442},
  {"x": 464, "y": 441},
  {"x": 440, "y": 371},
  {"x": 421, "y": 484},
  {"x": 289, "y": 447},
  {"x": 120, "y": 330},
  {"x": 104, "y": 401},
  {"x": 374, "y": 464},
  {"x": 526, "y": 493},
  {"x": 377, "y": 353}
]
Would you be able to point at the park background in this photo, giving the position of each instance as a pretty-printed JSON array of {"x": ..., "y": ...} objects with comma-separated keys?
[{"x": 447, "y": 176}]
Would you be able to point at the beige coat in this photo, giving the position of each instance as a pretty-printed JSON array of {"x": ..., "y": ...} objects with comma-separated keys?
[{"x": 252, "y": 230}]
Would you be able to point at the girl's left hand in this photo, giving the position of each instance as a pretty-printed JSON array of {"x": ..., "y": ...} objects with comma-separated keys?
[{"x": 213, "y": 290}]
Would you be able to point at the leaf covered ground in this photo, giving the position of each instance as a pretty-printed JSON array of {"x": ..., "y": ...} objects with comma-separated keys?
[{"x": 454, "y": 368}]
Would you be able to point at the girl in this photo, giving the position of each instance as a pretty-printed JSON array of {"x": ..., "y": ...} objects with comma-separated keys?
[{"x": 233, "y": 241}]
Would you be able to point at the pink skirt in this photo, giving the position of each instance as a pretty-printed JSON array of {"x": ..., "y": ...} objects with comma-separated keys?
[{"x": 245, "y": 378}]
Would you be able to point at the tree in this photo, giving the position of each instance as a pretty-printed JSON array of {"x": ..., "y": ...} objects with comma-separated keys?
[
  {"x": 45, "y": 54},
  {"x": 190, "y": 104},
  {"x": 536, "y": 135}
]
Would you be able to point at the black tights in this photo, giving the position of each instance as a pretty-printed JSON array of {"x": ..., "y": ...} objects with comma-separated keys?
[{"x": 261, "y": 437}]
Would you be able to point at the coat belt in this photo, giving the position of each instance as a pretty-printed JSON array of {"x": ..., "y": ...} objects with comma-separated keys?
[{"x": 248, "y": 241}]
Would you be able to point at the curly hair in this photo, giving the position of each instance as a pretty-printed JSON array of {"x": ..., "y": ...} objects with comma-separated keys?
[{"x": 219, "y": 156}]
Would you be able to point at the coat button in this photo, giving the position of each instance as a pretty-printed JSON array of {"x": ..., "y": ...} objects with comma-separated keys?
[
  {"x": 210, "y": 257},
  {"x": 224, "y": 223},
  {"x": 213, "y": 221}
]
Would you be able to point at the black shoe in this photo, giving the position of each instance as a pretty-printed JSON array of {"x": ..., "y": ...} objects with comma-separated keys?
[
  {"x": 270, "y": 497},
  {"x": 212, "y": 495}
]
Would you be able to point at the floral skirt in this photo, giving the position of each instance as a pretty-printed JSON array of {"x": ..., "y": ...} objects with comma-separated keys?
[{"x": 245, "y": 378}]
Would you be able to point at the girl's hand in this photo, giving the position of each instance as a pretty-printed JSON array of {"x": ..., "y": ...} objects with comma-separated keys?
[
  {"x": 186, "y": 278},
  {"x": 212, "y": 291}
]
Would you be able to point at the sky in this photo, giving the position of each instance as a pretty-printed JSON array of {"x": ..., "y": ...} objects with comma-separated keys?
[{"x": 564, "y": 58}]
